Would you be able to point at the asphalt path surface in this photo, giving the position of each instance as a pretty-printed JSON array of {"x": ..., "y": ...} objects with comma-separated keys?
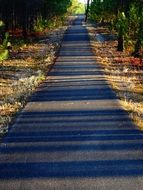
[{"x": 73, "y": 133}]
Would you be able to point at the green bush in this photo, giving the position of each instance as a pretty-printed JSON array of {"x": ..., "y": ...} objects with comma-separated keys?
[{"x": 76, "y": 7}]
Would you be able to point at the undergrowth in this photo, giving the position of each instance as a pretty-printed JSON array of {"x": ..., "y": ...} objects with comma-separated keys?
[
  {"x": 125, "y": 77},
  {"x": 25, "y": 69}
]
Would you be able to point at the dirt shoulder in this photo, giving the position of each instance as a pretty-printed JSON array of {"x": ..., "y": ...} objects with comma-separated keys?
[
  {"x": 122, "y": 71},
  {"x": 25, "y": 69}
]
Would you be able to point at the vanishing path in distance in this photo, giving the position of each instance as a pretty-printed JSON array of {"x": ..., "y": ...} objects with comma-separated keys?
[{"x": 73, "y": 134}]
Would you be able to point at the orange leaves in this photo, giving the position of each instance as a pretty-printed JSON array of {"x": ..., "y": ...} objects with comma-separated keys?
[
  {"x": 137, "y": 62},
  {"x": 19, "y": 33}
]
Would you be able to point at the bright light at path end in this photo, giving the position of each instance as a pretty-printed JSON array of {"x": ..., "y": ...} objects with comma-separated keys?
[{"x": 82, "y": 1}]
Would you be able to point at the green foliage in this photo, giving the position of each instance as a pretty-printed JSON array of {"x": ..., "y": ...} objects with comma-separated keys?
[
  {"x": 2, "y": 26},
  {"x": 40, "y": 24},
  {"x": 122, "y": 24},
  {"x": 103, "y": 11},
  {"x": 96, "y": 10},
  {"x": 76, "y": 7},
  {"x": 134, "y": 18},
  {"x": 80, "y": 8},
  {"x": 5, "y": 41},
  {"x": 126, "y": 17},
  {"x": 31, "y": 14},
  {"x": 4, "y": 55}
]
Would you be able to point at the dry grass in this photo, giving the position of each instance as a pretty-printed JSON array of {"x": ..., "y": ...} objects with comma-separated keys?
[
  {"x": 124, "y": 77},
  {"x": 27, "y": 66}
]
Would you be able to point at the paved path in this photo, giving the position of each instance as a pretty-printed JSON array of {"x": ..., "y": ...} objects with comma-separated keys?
[{"x": 73, "y": 134}]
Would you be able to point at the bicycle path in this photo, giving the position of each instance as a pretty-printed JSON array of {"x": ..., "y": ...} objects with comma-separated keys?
[{"x": 73, "y": 133}]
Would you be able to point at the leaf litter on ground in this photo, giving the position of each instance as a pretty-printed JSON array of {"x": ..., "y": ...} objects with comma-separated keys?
[
  {"x": 26, "y": 68},
  {"x": 121, "y": 70}
]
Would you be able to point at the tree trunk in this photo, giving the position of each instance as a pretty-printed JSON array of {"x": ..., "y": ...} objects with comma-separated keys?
[
  {"x": 87, "y": 10},
  {"x": 24, "y": 27},
  {"x": 137, "y": 52},
  {"x": 120, "y": 43}
]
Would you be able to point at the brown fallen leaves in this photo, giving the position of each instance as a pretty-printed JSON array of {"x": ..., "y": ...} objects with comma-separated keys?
[
  {"x": 27, "y": 66},
  {"x": 123, "y": 72}
]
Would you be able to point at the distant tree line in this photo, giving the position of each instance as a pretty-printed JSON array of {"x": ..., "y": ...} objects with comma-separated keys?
[
  {"x": 124, "y": 16},
  {"x": 28, "y": 14},
  {"x": 76, "y": 7}
]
